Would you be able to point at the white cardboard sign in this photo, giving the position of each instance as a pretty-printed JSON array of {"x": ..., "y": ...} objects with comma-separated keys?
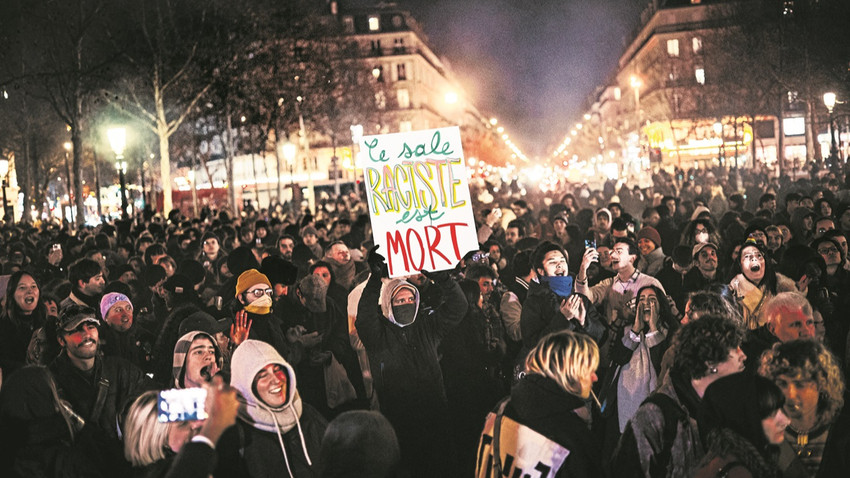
[{"x": 418, "y": 193}]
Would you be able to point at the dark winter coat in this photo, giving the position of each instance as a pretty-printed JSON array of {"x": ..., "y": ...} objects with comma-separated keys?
[
  {"x": 730, "y": 452},
  {"x": 642, "y": 443},
  {"x": 542, "y": 405},
  {"x": 80, "y": 389},
  {"x": 245, "y": 451},
  {"x": 541, "y": 315}
]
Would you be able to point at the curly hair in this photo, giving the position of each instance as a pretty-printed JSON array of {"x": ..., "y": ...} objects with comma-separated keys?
[
  {"x": 564, "y": 357},
  {"x": 808, "y": 359},
  {"x": 703, "y": 342}
]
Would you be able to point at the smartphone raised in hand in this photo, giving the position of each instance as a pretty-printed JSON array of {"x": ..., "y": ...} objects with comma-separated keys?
[{"x": 181, "y": 405}]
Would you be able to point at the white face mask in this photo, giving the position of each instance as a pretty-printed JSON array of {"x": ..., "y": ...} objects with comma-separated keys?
[
  {"x": 702, "y": 237},
  {"x": 261, "y": 305},
  {"x": 264, "y": 301}
]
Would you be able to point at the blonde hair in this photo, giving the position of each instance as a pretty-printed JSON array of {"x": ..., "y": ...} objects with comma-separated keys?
[
  {"x": 565, "y": 357},
  {"x": 145, "y": 438}
]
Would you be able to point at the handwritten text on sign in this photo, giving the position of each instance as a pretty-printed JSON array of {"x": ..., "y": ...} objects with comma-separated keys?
[{"x": 418, "y": 195}]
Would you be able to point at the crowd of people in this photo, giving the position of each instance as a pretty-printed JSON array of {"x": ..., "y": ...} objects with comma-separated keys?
[{"x": 698, "y": 327}]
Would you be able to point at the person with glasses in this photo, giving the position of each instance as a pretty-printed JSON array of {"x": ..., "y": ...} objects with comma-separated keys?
[{"x": 254, "y": 296}]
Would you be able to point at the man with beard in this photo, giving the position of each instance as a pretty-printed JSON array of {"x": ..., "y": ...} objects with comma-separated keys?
[
  {"x": 550, "y": 305},
  {"x": 121, "y": 337},
  {"x": 87, "y": 284},
  {"x": 285, "y": 245},
  {"x": 704, "y": 273},
  {"x": 95, "y": 387}
]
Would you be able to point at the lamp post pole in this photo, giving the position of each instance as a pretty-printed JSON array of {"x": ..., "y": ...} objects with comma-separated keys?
[
  {"x": 118, "y": 140},
  {"x": 829, "y": 100},
  {"x": 122, "y": 168},
  {"x": 68, "y": 183},
  {"x": 4, "y": 171}
]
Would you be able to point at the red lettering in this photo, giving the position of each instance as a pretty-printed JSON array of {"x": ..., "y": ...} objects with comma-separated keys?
[
  {"x": 432, "y": 245},
  {"x": 453, "y": 227},
  {"x": 421, "y": 249},
  {"x": 394, "y": 246},
  {"x": 399, "y": 243}
]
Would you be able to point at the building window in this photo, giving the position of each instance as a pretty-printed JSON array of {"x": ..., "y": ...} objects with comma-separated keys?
[
  {"x": 380, "y": 100},
  {"x": 677, "y": 102},
  {"x": 697, "y": 44},
  {"x": 617, "y": 93},
  {"x": 398, "y": 46},
  {"x": 376, "y": 47},
  {"x": 405, "y": 127},
  {"x": 700, "y": 75},
  {"x": 374, "y": 23},
  {"x": 348, "y": 24},
  {"x": 403, "y": 98},
  {"x": 674, "y": 73},
  {"x": 378, "y": 73},
  {"x": 673, "y": 47},
  {"x": 401, "y": 68}
]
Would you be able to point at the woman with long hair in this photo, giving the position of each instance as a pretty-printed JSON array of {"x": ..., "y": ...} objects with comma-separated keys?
[
  {"x": 755, "y": 282},
  {"x": 699, "y": 231},
  {"x": 23, "y": 314},
  {"x": 636, "y": 354},
  {"x": 545, "y": 419}
]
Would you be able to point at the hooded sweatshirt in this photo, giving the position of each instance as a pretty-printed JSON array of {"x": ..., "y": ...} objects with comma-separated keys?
[
  {"x": 279, "y": 442},
  {"x": 178, "y": 369}
]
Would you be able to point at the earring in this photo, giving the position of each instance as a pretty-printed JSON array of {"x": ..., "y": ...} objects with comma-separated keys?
[{"x": 713, "y": 370}]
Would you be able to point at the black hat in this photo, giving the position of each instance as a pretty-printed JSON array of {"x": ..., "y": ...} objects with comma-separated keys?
[
  {"x": 203, "y": 322},
  {"x": 279, "y": 270},
  {"x": 153, "y": 274},
  {"x": 210, "y": 235},
  {"x": 192, "y": 269},
  {"x": 240, "y": 260},
  {"x": 178, "y": 284}
]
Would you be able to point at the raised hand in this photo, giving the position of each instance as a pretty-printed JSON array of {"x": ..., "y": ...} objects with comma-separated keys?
[
  {"x": 240, "y": 328},
  {"x": 377, "y": 263}
]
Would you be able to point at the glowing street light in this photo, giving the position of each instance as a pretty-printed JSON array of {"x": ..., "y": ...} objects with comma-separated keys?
[
  {"x": 451, "y": 97},
  {"x": 829, "y": 100},
  {"x": 118, "y": 141}
]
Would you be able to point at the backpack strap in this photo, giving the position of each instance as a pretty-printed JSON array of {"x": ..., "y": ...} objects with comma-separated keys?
[
  {"x": 497, "y": 432},
  {"x": 100, "y": 401},
  {"x": 672, "y": 414}
]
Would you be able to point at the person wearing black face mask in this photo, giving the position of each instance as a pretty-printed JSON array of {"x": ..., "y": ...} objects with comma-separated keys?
[{"x": 401, "y": 341}]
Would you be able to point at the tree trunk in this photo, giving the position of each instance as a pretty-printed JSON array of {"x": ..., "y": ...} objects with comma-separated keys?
[{"x": 228, "y": 164}]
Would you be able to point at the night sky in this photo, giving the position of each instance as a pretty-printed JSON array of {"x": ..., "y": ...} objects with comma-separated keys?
[{"x": 531, "y": 63}]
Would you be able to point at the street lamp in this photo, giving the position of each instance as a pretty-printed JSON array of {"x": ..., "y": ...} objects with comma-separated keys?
[
  {"x": 4, "y": 171},
  {"x": 829, "y": 101},
  {"x": 68, "y": 183},
  {"x": 118, "y": 140}
]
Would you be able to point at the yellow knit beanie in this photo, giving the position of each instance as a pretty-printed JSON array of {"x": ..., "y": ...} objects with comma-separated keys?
[{"x": 248, "y": 279}]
